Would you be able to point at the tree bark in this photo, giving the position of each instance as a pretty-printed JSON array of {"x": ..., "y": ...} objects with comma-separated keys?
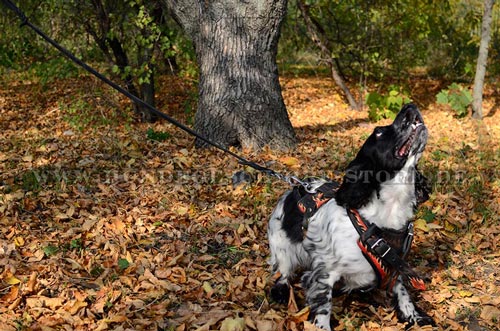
[
  {"x": 477, "y": 95},
  {"x": 240, "y": 101},
  {"x": 322, "y": 44}
]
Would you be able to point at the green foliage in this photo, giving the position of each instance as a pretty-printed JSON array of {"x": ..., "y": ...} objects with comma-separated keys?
[
  {"x": 92, "y": 111},
  {"x": 427, "y": 215},
  {"x": 123, "y": 264},
  {"x": 457, "y": 97},
  {"x": 79, "y": 114},
  {"x": 50, "y": 250},
  {"x": 388, "y": 39},
  {"x": 385, "y": 106},
  {"x": 189, "y": 106},
  {"x": 56, "y": 68},
  {"x": 96, "y": 270},
  {"x": 76, "y": 244},
  {"x": 30, "y": 181},
  {"x": 151, "y": 134}
]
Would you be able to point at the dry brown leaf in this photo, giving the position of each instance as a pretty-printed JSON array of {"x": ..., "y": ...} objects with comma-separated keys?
[
  {"x": 32, "y": 283},
  {"x": 43, "y": 301},
  {"x": 292, "y": 305},
  {"x": 11, "y": 295},
  {"x": 308, "y": 326},
  {"x": 265, "y": 325},
  {"x": 301, "y": 316},
  {"x": 490, "y": 314}
]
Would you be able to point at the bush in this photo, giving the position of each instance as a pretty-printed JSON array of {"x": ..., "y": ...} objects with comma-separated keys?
[
  {"x": 457, "y": 97},
  {"x": 386, "y": 106}
]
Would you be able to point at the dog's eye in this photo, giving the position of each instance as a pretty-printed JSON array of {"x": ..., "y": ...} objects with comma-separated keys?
[{"x": 378, "y": 133}]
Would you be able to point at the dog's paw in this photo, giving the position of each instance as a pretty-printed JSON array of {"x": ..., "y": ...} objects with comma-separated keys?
[
  {"x": 280, "y": 293},
  {"x": 421, "y": 319},
  {"x": 319, "y": 322}
]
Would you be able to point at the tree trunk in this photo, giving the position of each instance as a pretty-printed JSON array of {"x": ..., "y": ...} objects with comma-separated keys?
[
  {"x": 147, "y": 83},
  {"x": 240, "y": 101},
  {"x": 318, "y": 39},
  {"x": 121, "y": 60},
  {"x": 477, "y": 108}
]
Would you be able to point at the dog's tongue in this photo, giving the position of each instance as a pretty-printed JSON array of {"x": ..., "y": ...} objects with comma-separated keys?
[{"x": 404, "y": 149}]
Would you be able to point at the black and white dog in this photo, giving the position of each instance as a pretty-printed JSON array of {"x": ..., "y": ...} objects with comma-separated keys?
[{"x": 383, "y": 187}]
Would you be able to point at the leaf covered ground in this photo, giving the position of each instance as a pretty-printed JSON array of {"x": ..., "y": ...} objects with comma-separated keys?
[{"x": 107, "y": 224}]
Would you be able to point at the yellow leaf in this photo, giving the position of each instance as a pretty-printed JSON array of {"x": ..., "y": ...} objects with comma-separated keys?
[
  {"x": 12, "y": 280},
  {"x": 465, "y": 294},
  {"x": 19, "y": 241},
  {"x": 182, "y": 210},
  {"x": 207, "y": 287},
  {"x": 289, "y": 161},
  {"x": 421, "y": 224}
]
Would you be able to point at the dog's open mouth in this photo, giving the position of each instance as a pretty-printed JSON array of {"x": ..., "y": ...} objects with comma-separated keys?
[{"x": 404, "y": 150}]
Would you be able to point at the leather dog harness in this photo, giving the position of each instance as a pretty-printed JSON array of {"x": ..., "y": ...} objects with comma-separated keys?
[{"x": 384, "y": 249}]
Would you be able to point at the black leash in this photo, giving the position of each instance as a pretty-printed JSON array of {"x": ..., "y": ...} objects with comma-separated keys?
[{"x": 292, "y": 180}]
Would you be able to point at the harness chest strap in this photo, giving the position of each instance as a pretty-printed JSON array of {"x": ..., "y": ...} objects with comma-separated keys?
[{"x": 387, "y": 261}]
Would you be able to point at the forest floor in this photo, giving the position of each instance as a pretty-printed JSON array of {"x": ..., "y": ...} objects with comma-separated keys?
[{"x": 109, "y": 224}]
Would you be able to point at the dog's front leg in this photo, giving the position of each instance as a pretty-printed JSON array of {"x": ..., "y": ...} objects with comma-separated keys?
[
  {"x": 406, "y": 309},
  {"x": 319, "y": 285}
]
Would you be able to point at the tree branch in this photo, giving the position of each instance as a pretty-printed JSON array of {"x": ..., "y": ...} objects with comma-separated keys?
[{"x": 318, "y": 38}]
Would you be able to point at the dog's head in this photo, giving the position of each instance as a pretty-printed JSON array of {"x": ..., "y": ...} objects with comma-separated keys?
[{"x": 387, "y": 151}]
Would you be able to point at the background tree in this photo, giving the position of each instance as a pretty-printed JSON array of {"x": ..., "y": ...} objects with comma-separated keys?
[
  {"x": 240, "y": 101},
  {"x": 477, "y": 108},
  {"x": 127, "y": 33},
  {"x": 316, "y": 34},
  {"x": 383, "y": 52},
  {"x": 386, "y": 41}
]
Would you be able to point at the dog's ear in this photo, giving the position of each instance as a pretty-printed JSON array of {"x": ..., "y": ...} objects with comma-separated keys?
[
  {"x": 422, "y": 188},
  {"x": 357, "y": 187}
]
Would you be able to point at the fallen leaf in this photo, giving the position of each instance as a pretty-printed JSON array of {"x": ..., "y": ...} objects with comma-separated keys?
[
  {"x": 12, "y": 280},
  {"x": 289, "y": 161},
  {"x": 19, "y": 241},
  {"x": 308, "y": 326},
  {"x": 292, "y": 305},
  {"x": 490, "y": 313},
  {"x": 302, "y": 315},
  {"x": 265, "y": 325},
  {"x": 465, "y": 294},
  {"x": 11, "y": 295},
  {"x": 32, "y": 282},
  {"x": 421, "y": 224},
  {"x": 75, "y": 306},
  {"x": 233, "y": 324},
  {"x": 43, "y": 301},
  {"x": 208, "y": 289}
]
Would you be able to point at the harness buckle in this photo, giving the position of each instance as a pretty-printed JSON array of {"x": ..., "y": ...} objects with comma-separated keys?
[{"x": 378, "y": 243}]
